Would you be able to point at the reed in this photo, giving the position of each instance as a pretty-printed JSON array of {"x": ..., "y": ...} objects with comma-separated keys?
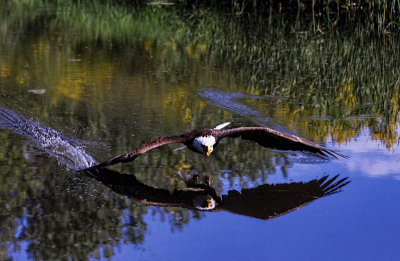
[{"x": 338, "y": 59}]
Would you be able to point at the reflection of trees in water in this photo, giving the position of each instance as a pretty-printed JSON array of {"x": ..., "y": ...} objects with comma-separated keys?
[
  {"x": 68, "y": 215},
  {"x": 61, "y": 214},
  {"x": 321, "y": 85},
  {"x": 65, "y": 214},
  {"x": 320, "y": 88},
  {"x": 61, "y": 209},
  {"x": 72, "y": 220}
]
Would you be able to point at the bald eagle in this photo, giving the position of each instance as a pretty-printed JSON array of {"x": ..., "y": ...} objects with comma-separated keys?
[{"x": 205, "y": 140}]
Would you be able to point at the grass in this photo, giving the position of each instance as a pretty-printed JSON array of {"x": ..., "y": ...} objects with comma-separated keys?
[{"x": 335, "y": 61}]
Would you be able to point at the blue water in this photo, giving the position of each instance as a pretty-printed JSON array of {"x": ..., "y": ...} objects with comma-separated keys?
[
  {"x": 359, "y": 223},
  {"x": 339, "y": 227}
]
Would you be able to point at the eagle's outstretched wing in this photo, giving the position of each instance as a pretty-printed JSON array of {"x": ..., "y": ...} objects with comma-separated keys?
[
  {"x": 276, "y": 140},
  {"x": 264, "y": 136},
  {"x": 155, "y": 143}
]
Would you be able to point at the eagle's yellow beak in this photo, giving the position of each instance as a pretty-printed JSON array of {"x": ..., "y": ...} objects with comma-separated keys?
[{"x": 208, "y": 150}]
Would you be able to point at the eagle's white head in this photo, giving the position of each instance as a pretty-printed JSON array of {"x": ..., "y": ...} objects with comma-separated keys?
[{"x": 204, "y": 144}]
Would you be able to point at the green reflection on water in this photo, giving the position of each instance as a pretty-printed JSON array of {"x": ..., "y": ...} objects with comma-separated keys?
[
  {"x": 324, "y": 85},
  {"x": 65, "y": 215},
  {"x": 123, "y": 75}
]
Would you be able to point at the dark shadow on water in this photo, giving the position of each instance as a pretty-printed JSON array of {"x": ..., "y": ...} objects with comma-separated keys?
[
  {"x": 231, "y": 101},
  {"x": 264, "y": 202}
]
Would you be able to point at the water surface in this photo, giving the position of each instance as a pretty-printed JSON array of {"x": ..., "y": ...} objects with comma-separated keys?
[{"x": 89, "y": 102}]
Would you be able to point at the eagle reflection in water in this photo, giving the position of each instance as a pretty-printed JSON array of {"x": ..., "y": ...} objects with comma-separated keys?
[{"x": 264, "y": 202}]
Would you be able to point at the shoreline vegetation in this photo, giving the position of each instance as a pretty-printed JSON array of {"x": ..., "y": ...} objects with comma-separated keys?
[
  {"x": 117, "y": 20},
  {"x": 336, "y": 50}
]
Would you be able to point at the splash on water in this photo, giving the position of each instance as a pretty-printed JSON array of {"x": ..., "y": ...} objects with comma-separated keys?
[{"x": 67, "y": 151}]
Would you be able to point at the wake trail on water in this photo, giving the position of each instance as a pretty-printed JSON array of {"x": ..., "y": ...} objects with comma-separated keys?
[
  {"x": 231, "y": 101},
  {"x": 67, "y": 151}
]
